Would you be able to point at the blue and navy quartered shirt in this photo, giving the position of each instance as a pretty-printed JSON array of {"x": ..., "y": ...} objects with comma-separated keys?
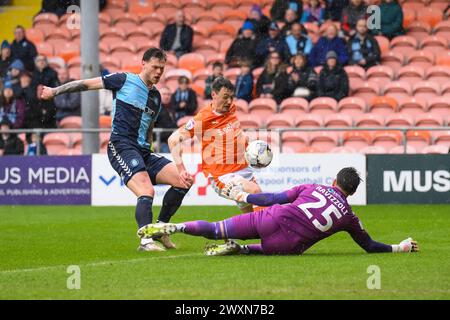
[{"x": 134, "y": 107}]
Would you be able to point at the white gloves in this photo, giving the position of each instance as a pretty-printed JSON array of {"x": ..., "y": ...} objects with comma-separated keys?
[
  {"x": 235, "y": 192},
  {"x": 407, "y": 245}
]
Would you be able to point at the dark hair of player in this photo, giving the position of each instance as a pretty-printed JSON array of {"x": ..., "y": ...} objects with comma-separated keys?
[
  {"x": 348, "y": 180},
  {"x": 220, "y": 83},
  {"x": 154, "y": 53}
]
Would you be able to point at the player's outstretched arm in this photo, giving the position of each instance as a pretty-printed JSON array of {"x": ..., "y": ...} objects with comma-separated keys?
[
  {"x": 362, "y": 238},
  {"x": 73, "y": 86},
  {"x": 237, "y": 193}
]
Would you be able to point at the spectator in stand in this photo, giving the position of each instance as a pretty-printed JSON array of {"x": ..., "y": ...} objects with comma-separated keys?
[
  {"x": 273, "y": 81},
  {"x": 363, "y": 48},
  {"x": 5, "y": 59},
  {"x": 23, "y": 49},
  {"x": 333, "y": 80},
  {"x": 314, "y": 13},
  {"x": 216, "y": 73},
  {"x": 279, "y": 8},
  {"x": 15, "y": 70},
  {"x": 12, "y": 108},
  {"x": 243, "y": 47},
  {"x": 28, "y": 92},
  {"x": 351, "y": 14},
  {"x": 67, "y": 104},
  {"x": 302, "y": 79},
  {"x": 289, "y": 20},
  {"x": 391, "y": 19},
  {"x": 273, "y": 42},
  {"x": 10, "y": 144},
  {"x": 177, "y": 37},
  {"x": 43, "y": 73},
  {"x": 166, "y": 120},
  {"x": 259, "y": 21},
  {"x": 333, "y": 9},
  {"x": 42, "y": 112},
  {"x": 330, "y": 42},
  {"x": 244, "y": 82},
  {"x": 298, "y": 42},
  {"x": 184, "y": 100},
  {"x": 32, "y": 148}
]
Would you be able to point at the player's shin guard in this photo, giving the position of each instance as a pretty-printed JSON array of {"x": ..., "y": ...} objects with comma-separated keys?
[
  {"x": 144, "y": 214},
  {"x": 171, "y": 202}
]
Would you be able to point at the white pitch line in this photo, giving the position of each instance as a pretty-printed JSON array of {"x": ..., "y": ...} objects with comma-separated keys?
[{"x": 97, "y": 264}]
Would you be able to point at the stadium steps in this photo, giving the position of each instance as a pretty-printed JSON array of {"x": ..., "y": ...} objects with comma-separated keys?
[{"x": 21, "y": 12}]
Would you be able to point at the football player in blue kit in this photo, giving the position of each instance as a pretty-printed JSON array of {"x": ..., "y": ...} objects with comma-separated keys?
[{"x": 136, "y": 105}]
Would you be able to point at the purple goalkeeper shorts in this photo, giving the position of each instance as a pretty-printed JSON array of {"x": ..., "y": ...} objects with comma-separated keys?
[{"x": 262, "y": 225}]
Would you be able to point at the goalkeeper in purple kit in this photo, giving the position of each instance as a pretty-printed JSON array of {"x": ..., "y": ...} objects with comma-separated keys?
[{"x": 293, "y": 221}]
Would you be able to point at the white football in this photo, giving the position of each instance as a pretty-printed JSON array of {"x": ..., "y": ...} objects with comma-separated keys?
[{"x": 258, "y": 154}]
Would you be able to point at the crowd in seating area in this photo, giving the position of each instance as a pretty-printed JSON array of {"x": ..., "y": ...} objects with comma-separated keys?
[{"x": 295, "y": 64}]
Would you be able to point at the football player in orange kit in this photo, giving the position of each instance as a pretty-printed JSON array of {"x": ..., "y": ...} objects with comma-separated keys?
[{"x": 223, "y": 143}]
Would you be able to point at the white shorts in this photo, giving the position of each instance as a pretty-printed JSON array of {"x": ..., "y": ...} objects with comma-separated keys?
[{"x": 246, "y": 173}]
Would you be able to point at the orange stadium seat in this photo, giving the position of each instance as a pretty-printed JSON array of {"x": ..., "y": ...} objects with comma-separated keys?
[
  {"x": 412, "y": 105},
  {"x": 279, "y": 121},
  {"x": 411, "y": 74},
  {"x": 222, "y": 31},
  {"x": 436, "y": 149},
  {"x": 235, "y": 18},
  {"x": 110, "y": 62},
  {"x": 58, "y": 37},
  {"x": 409, "y": 15},
  {"x": 232, "y": 74},
  {"x": 191, "y": 62},
  {"x": 208, "y": 19},
  {"x": 404, "y": 44},
  {"x": 387, "y": 139},
  {"x": 443, "y": 59},
  {"x": 384, "y": 44},
  {"x": 201, "y": 75},
  {"x": 48, "y": 19},
  {"x": 263, "y": 106},
  {"x": 75, "y": 73},
  {"x": 324, "y": 141},
  {"x": 139, "y": 37},
  {"x": 442, "y": 29},
  {"x": 366, "y": 91},
  {"x": 429, "y": 120},
  {"x": 383, "y": 105},
  {"x": 112, "y": 35},
  {"x": 127, "y": 21},
  {"x": 399, "y": 120},
  {"x": 418, "y": 139},
  {"x": 351, "y": 106},
  {"x": 45, "y": 48},
  {"x": 221, "y": 5},
  {"x": 216, "y": 57},
  {"x": 71, "y": 122},
  {"x": 419, "y": 30},
  {"x": 323, "y": 106},
  {"x": 438, "y": 74},
  {"x": 355, "y": 72},
  {"x": 373, "y": 150},
  {"x": 141, "y": 8},
  {"x": 68, "y": 50},
  {"x": 356, "y": 139},
  {"x": 309, "y": 120},
  {"x": 422, "y": 58},
  {"x": 430, "y": 15},
  {"x": 294, "y": 106},
  {"x": 206, "y": 44},
  {"x": 76, "y": 140},
  {"x": 435, "y": 44},
  {"x": 34, "y": 35},
  {"x": 380, "y": 74},
  {"x": 194, "y": 7},
  {"x": 369, "y": 120},
  {"x": 249, "y": 121},
  {"x": 398, "y": 90},
  {"x": 401, "y": 150},
  {"x": 426, "y": 89},
  {"x": 241, "y": 105},
  {"x": 309, "y": 149},
  {"x": 440, "y": 105},
  {"x": 104, "y": 121},
  {"x": 294, "y": 140},
  {"x": 56, "y": 142},
  {"x": 226, "y": 44},
  {"x": 442, "y": 138},
  {"x": 103, "y": 47},
  {"x": 338, "y": 121},
  {"x": 395, "y": 60}
]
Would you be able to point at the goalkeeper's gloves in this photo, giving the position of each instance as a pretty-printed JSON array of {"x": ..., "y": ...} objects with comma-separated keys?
[
  {"x": 236, "y": 192},
  {"x": 407, "y": 245}
]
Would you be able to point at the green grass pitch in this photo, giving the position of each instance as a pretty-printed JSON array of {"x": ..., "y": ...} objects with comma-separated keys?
[{"x": 37, "y": 244}]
